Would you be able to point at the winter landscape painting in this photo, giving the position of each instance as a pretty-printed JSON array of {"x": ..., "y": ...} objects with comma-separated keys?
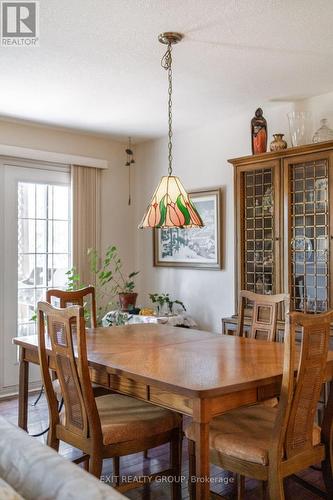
[{"x": 193, "y": 247}]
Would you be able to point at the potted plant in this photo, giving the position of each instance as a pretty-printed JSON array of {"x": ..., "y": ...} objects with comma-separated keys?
[
  {"x": 162, "y": 299},
  {"x": 111, "y": 281}
]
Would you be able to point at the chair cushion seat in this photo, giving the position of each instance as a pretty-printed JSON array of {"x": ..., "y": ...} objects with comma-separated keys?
[
  {"x": 125, "y": 419},
  {"x": 245, "y": 433}
]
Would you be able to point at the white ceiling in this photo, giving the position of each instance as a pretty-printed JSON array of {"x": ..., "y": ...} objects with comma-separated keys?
[{"x": 98, "y": 64}]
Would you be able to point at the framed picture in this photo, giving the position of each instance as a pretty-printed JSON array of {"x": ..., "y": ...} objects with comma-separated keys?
[{"x": 196, "y": 248}]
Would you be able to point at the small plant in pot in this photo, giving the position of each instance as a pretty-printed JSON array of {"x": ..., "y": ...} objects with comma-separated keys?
[
  {"x": 127, "y": 297},
  {"x": 163, "y": 299},
  {"x": 111, "y": 278}
]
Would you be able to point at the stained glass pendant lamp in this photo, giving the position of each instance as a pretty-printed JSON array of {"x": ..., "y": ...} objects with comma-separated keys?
[{"x": 170, "y": 205}]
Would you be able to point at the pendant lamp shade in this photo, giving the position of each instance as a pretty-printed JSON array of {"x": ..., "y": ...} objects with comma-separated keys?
[{"x": 171, "y": 206}]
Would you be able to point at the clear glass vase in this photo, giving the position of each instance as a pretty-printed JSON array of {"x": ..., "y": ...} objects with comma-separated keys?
[
  {"x": 299, "y": 127},
  {"x": 324, "y": 133}
]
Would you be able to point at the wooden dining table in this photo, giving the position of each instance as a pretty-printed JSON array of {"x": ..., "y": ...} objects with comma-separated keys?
[{"x": 193, "y": 372}]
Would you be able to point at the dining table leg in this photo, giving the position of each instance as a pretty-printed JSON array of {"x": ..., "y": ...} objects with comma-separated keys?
[
  {"x": 201, "y": 419},
  {"x": 23, "y": 391}
]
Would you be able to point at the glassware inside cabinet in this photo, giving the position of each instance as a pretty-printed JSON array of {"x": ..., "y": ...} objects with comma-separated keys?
[{"x": 310, "y": 236}]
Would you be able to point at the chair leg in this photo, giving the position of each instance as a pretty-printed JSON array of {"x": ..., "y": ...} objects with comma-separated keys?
[
  {"x": 327, "y": 436},
  {"x": 52, "y": 439},
  {"x": 263, "y": 490},
  {"x": 176, "y": 465},
  {"x": 95, "y": 465},
  {"x": 328, "y": 477},
  {"x": 145, "y": 454},
  {"x": 275, "y": 487},
  {"x": 116, "y": 469},
  {"x": 192, "y": 469},
  {"x": 240, "y": 486}
]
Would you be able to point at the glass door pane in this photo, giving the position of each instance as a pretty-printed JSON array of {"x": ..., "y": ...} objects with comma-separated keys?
[
  {"x": 259, "y": 237},
  {"x": 43, "y": 246},
  {"x": 36, "y": 247},
  {"x": 310, "y": 236}
]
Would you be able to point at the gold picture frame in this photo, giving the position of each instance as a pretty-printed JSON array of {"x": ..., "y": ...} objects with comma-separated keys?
[{"x": 194, "y": 248}]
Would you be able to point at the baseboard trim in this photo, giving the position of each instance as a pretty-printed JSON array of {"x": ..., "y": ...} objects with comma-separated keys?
[{"x": 12, "y": 392}]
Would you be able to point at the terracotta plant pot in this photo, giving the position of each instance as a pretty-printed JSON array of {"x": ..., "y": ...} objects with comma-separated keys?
[{"x": 126, "y": 300}]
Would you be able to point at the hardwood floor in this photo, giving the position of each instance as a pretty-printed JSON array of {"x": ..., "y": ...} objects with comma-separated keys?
[{"x": 136, "y": 465}]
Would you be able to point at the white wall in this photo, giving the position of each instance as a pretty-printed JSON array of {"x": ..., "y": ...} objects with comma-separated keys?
[
  {"x": 116, "y": 214},
  {"x": 200, "y": 160}
]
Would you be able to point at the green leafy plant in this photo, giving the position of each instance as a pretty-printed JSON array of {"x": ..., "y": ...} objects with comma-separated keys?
[
  {"x": 164, "y": 298},
  {"x": 172, "y": 302},
  {"x": 160, "y": 299},
  {"x": 73, "y": 280},
  {"x": 110, "y": 279}
]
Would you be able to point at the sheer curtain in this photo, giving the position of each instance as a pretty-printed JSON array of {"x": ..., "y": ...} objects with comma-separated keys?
[{"x": 86, "y": 186}]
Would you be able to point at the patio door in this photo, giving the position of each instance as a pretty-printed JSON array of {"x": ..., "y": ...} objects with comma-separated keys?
[{"x": 35, "y": 252}]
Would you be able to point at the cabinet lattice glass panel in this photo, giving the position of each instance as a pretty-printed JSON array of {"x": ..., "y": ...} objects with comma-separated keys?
[
  {"x": 309, "y": 226},
  {"x": 258, "y": 231}
]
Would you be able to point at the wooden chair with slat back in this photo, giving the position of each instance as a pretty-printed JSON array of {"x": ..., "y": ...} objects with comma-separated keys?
[
  {"x": 264, "y": 314},
  {"x": 86, "y": 298},
  {"x": 106, "y": 426},
  {"x": 269, "y": 444},
  {"x": 263, "y": 326},
  {"x": 75, "y": 297}
]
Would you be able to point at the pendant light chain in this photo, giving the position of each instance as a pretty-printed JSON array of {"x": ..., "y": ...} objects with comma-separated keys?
[
  {"x": 170, "y": 205},
  {"x": 167, "y": 64}
]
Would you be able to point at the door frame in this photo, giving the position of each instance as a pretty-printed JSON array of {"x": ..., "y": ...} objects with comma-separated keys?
[{"x": 12, "y": 172}]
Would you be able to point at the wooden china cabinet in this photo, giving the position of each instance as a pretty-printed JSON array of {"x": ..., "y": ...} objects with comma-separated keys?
[{"x": 284, "y": 227}]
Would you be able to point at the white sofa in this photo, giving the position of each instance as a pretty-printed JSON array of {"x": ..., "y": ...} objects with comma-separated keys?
[{"x": 33, "y": 471}]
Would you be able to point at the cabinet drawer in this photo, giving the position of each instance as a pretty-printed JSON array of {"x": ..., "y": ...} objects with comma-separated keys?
[
  {"x": 99, "y": 377},
  {"x": 128, "y": 386},
  {"x": 171, "y": 400}
]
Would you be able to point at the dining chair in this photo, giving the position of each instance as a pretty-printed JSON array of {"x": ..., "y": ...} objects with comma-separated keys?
[
  {"x": 106, "y": 426},
  {"x": 86, "y": 298},
  {"x": 264, "y": 314},
  {"x": 269, "y": 444},
  {"x": 82, "y": 297}
]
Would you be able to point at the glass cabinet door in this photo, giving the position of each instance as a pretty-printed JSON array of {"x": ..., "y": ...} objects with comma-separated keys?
[
  {"x": 259, "y": 228},
  {"x": 309, "y": 233}
]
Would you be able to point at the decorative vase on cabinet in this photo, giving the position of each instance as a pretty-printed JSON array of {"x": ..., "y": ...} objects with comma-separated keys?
[
  {"x": 324, "y": 133},
  {"x": 278, "y": 143},
  {"x": 299, "y": 127}
]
